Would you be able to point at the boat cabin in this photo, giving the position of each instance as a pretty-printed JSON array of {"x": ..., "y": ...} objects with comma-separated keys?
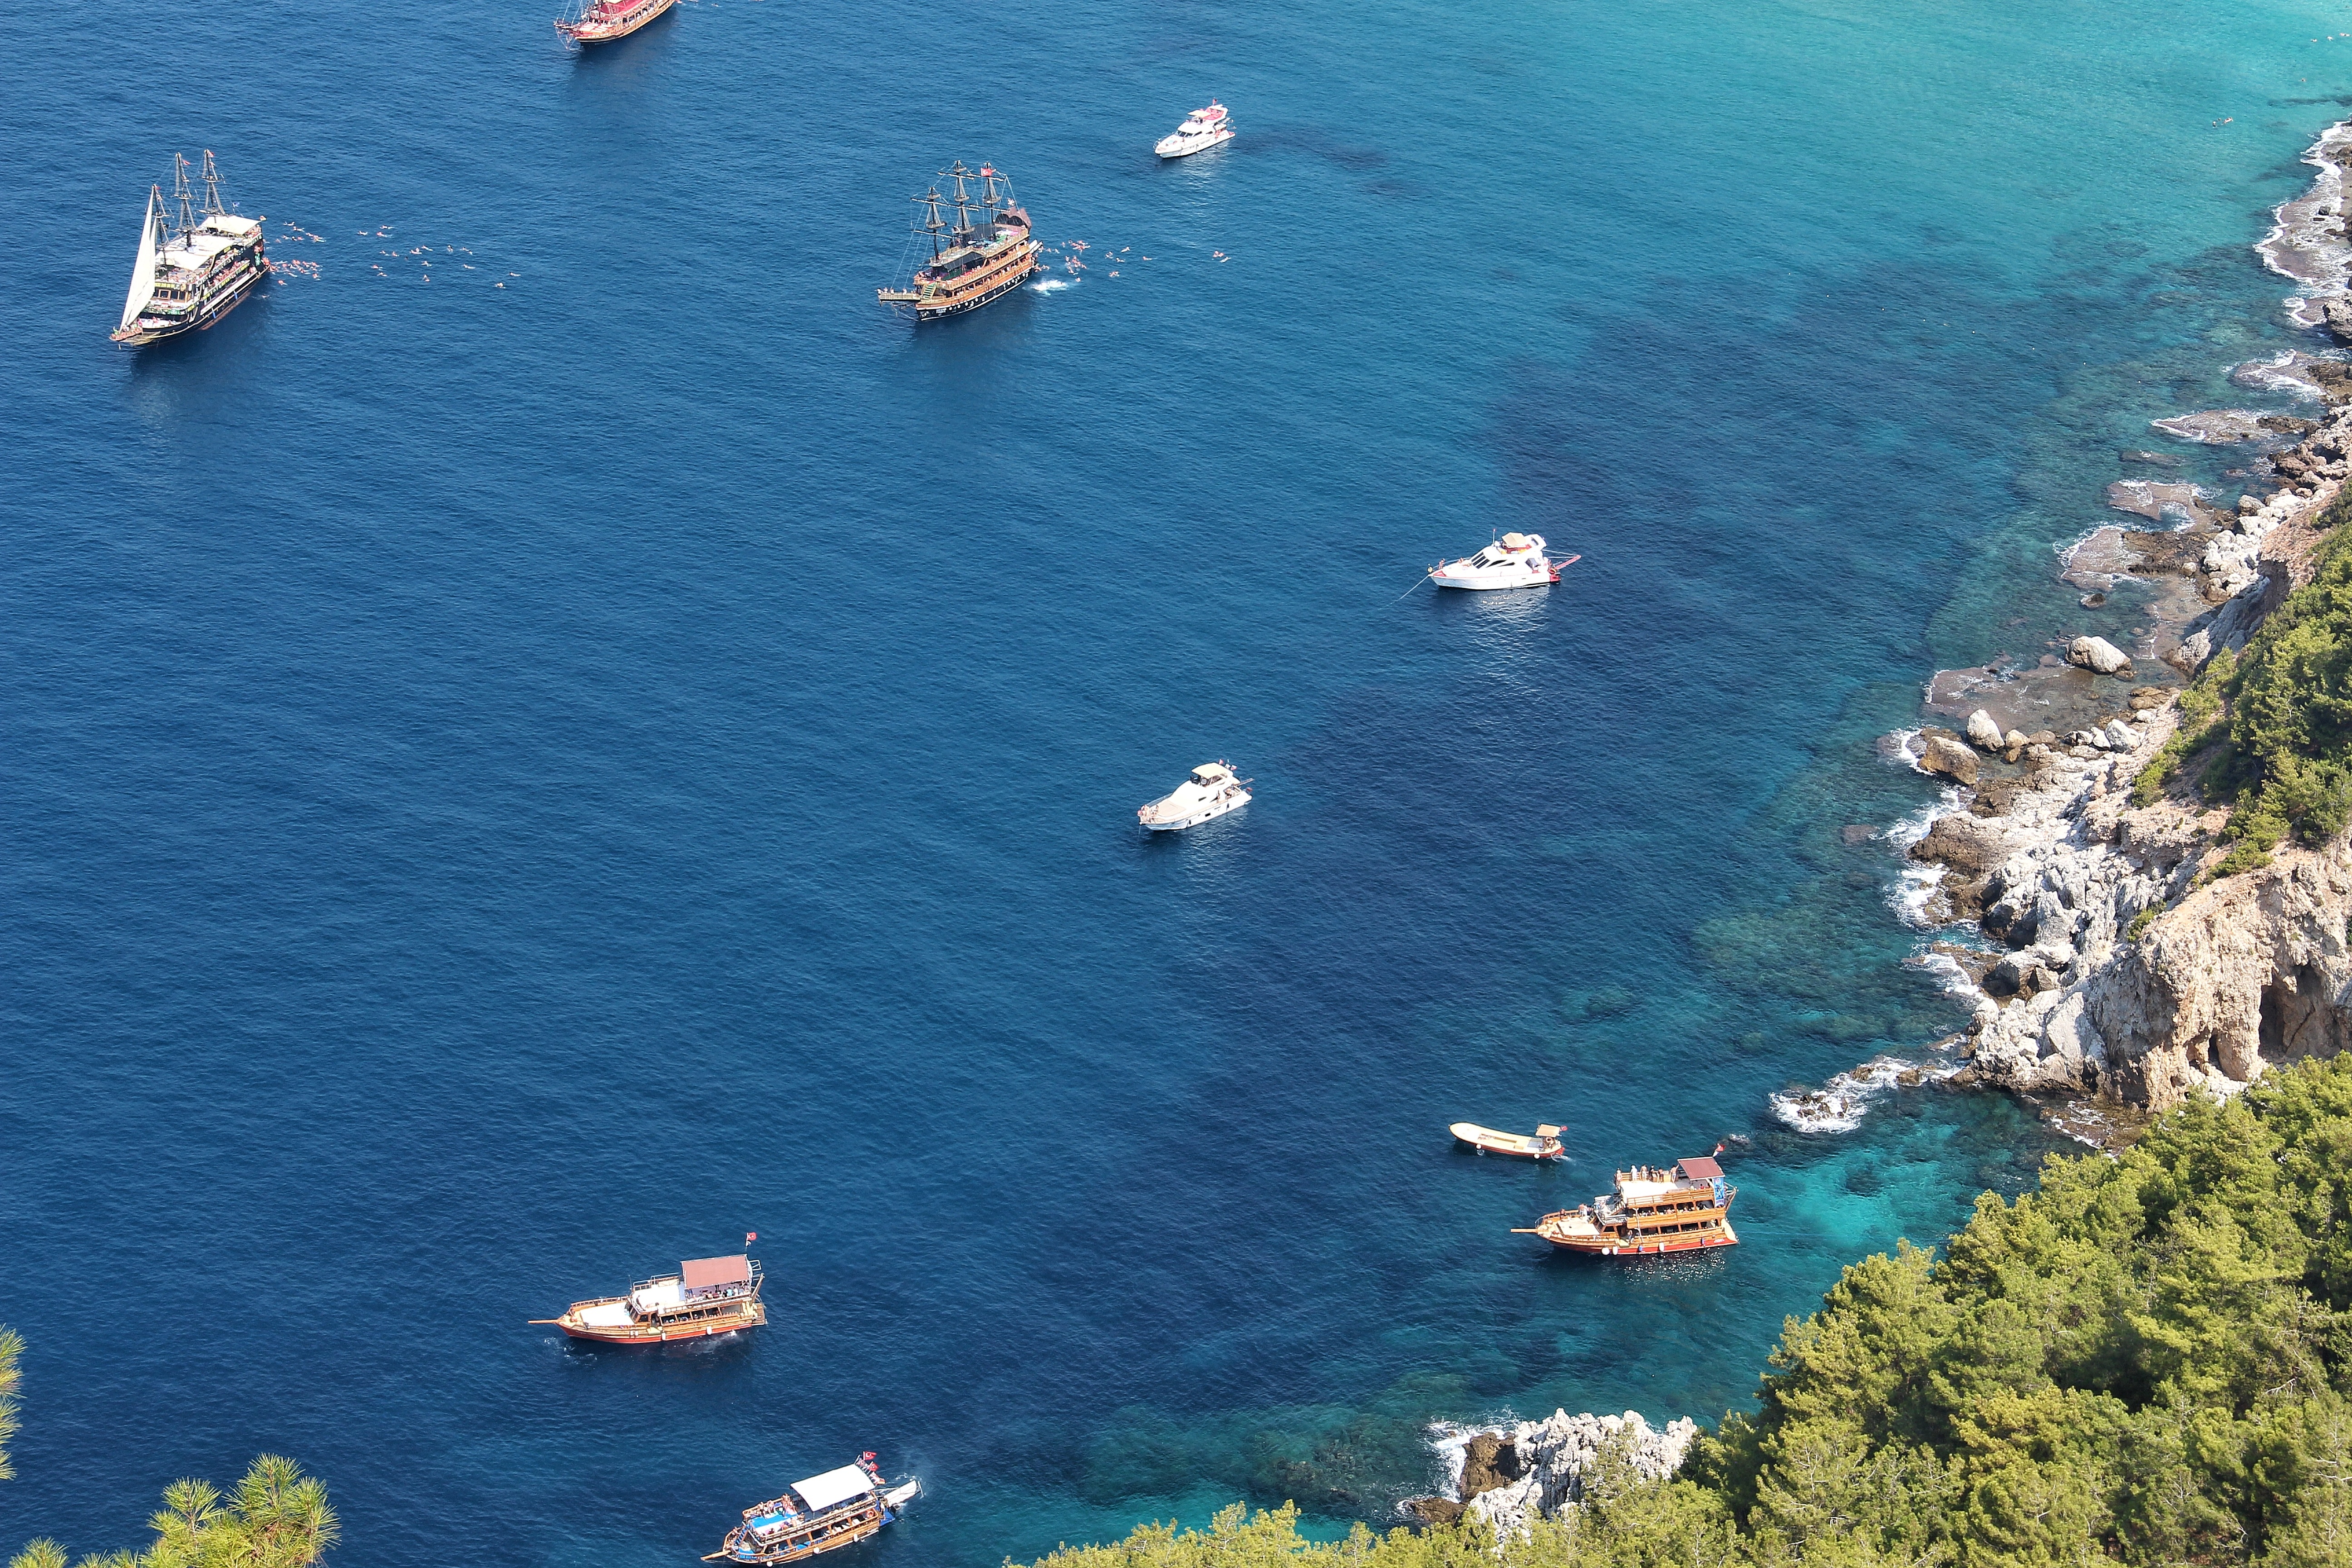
[
  {"x": 705, "y": 1295},
  {"x": 816, "y": 1515},
  {"x": 1678, "y": 1208}
]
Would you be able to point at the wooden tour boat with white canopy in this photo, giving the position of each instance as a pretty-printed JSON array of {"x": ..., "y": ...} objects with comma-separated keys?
[
  {"x": 1544, "y": 1145},
  {"x": 1681, "y": 1209},
  {"x": 705, "y": 1295},
  {"x": 839, "y": 1507}
]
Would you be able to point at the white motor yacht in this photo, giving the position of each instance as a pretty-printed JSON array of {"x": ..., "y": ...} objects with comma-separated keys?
[
  {"x": 1514, "y": 560},
  {"x": 1203, "y": 128},
  {"x": 1212, "y": 791}
]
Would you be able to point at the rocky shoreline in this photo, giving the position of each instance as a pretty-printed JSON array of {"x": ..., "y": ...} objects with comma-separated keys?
[
  {"x": 2115, "y": 974},
  {"x": 1508, "y": 1475}
]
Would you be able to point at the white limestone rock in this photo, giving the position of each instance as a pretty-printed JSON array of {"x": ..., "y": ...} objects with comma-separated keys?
[
  {"x": 2098, "y": 654},
  {"x": 1556, "y": 1456}
]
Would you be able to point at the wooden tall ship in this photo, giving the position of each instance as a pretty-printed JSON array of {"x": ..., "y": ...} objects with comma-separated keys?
[
  {"x": 196, "y": 263},
  {"x": 981, "y": 255},
  {"x": 839, "y": 1507},
  {"x": 1680, "y": 1209},
  {"x": 602, "y": 21},
  {"x": 705, "y": 1295}
]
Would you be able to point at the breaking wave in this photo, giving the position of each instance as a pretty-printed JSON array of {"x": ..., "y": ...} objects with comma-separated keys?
[
  {"x": 1914, "y": 886},
  {"x": 1839, "y": 1105}
]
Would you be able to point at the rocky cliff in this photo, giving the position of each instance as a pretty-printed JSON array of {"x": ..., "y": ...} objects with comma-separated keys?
[{"x": 2133, "y": 973}]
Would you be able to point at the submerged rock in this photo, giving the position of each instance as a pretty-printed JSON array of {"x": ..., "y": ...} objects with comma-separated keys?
[
  {"x": 2215, "y": 426},
  {"x": 2156, "y": 502}
]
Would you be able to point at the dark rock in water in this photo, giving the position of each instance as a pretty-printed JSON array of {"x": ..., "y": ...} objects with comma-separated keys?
[
  {"x": 2338, "y": 314},
  {"x": 1487, "y": 1463},
  {"x": 2155, "y": 460},
  {"x": 1431, "y": 1509},
  {"x": 1942, "y": 752},
  {"x": 2093, "y": 601},
  {"x": 2287, "y": 424},
  {"x": 1970, "y": 851}
]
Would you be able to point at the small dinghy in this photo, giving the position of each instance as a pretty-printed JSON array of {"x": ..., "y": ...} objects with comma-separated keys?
[
  {"x": 838, "y": 1508},
  {"x": 1514, "y": 560},
  {"x": 1544, "y": 1145},
  {"x": 1212, "y": 791}
]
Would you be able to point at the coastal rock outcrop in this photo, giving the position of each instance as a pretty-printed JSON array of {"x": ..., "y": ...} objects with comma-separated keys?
[
  {"x": 2098, "y": 654},
  {"x": 2133, "y": 976},
  {"x": 1984, "y": 732},
  {"x": 1510, "y": 1476},
  {"x": 1940, "y": 753}
]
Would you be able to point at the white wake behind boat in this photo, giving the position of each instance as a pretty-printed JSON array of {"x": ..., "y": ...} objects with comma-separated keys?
[
  {"x": 1514, "y": 560},
  {"x": 1211, "y": 792},
  {"x": 1203, "y": 128}
]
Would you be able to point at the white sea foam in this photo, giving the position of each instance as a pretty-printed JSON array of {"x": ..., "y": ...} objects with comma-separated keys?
[
  {"x": 2283, "y": 371},
  {"x": 1914, "y": 885},
  {"x": 1839, "y": 1105},
  {"x": 2305, "y": 242},
  {"x": 1951, "y": 979},
  {"x": 1051, "y": 285}
]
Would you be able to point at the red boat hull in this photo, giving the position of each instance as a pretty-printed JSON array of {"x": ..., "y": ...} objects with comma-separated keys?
[{"x": 605, "y": 30}]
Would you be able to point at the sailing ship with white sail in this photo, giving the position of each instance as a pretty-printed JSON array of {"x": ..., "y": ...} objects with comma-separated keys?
[{"x": 195, "y": 263}]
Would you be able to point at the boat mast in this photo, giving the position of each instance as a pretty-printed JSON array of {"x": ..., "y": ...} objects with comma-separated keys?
[
  {"x": 181, "y": 194},
  {"x": 931, "y": 224},
  {"x": 990, "y": 202},
  {"x": 963, "y": 203},
  {"x": 213, "y": 207}
]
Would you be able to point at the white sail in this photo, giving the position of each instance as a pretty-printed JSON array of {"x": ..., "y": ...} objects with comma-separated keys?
[{"x": 142, "y": 275}]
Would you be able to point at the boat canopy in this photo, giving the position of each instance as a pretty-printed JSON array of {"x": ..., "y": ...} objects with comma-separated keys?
[
  {"x": 821, "y": 1492},
  {"x": 700, "y": 1273},
  {"x": 1514, "y": 541},
  {"x": 1702, "y": 1169}
]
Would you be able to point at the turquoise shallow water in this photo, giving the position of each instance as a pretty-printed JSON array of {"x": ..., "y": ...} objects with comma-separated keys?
[{"x": 503, "y": 788}]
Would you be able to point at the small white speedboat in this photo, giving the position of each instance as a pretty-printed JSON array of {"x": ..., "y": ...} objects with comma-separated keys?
[
  {"x": 1544, "y": 1145},
  {"x": 1514, "y": 560},
  {"x": 1203, "y": 128},
  {"x": 1212, "y": 791}
]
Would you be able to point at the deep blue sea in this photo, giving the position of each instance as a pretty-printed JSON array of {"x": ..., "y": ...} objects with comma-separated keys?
[{"x": 518, "y": 772}]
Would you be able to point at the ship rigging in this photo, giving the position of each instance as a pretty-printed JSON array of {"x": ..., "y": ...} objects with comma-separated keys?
[
  {"x": 981, "y": 255},
  {"x": 195, "y": 263}
]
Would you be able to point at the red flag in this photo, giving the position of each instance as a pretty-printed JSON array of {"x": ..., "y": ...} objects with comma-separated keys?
[
  {"x": 1718, "y": 1149},
  {"x": 752, "y": 1236}
]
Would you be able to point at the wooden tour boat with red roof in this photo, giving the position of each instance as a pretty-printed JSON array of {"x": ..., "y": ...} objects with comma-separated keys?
[
  {"x": 602, "y": 21},
  {"x": 1678, "y": 1210},
  {"x": 973, "y": 259},
  {"x": 705, "y": 1295},
  {"x": 839, "y": 1507}
]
